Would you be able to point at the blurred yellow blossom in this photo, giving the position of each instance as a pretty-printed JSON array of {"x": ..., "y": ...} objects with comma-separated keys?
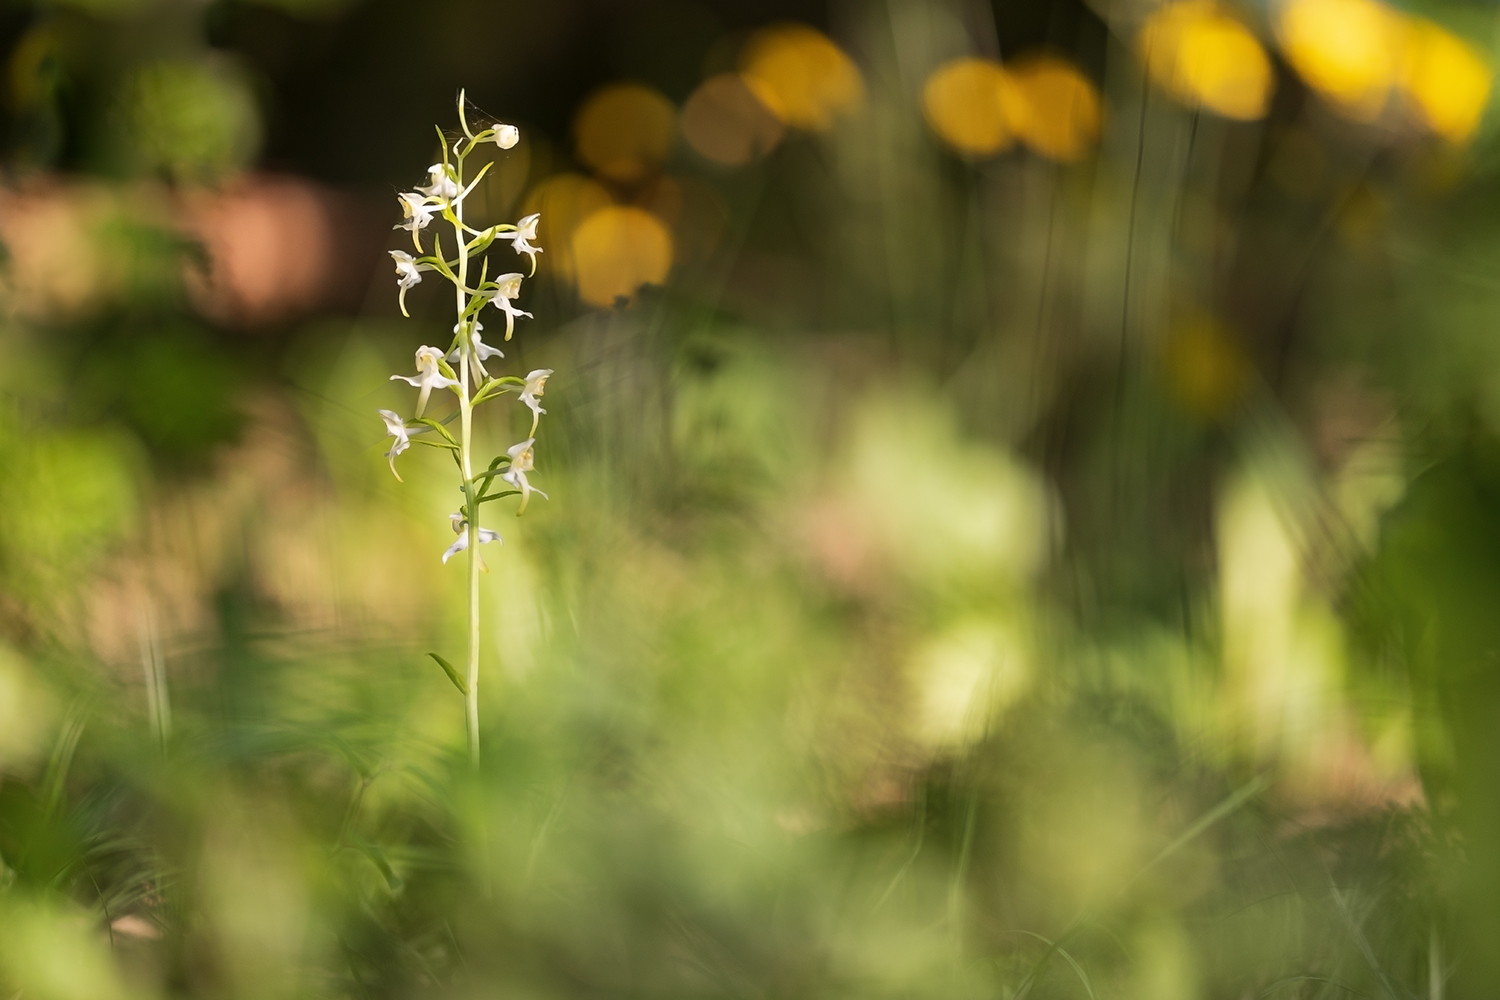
[
  {"x": 1446, "y": 79},
  {"x": 1357, "y": 52},
  {"x": 617, "y": 250},
  {"x": 972, "y": 104},
  {"x": 563, "y": 202},
  {"x": 625, "y": 131},
  {"x": 803, "y": 77},
  {"x": 1349, "y": 50},
  {"x": 1059, "y": 112},
  {"x": 1204, "y": 56}
]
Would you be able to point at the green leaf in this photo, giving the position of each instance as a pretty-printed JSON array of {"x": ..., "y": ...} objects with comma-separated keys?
[
  {"x": 488, "y": 475},
  {"x": 497, "y": 496},
  {"x": 436, "y": 444},
  {"x": 453, "y": 674},
  {"x": 491, "y": 390},
  {"x": 429, "y": 422},
  {"x": 466, "y": 190}
]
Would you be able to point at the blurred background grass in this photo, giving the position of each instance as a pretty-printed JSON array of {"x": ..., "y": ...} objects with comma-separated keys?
[{"x": 1025, "y": 483}]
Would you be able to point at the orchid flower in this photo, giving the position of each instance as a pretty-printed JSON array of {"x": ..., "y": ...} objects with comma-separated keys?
[
  {"x": 536, "y": 382},
  {"x": 444, "y": 186},
  {"x": 506, "y": 136},
  {"x": 482, "y": 351},
  {"x": 508, "y": 290},
  {"x": 461, "y": 527},
  {"x": 396, "y": 428},
  {"x": 408, "y": 273},
  {"x": 520, "y": 240},
  {"x": 521, "y": 462},
  {"x": 416, "y": 210},
  {"x": 429, "y": 375}
]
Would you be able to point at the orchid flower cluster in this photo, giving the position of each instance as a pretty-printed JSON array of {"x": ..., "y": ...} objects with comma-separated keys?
[{"x": 462, "y": 368}]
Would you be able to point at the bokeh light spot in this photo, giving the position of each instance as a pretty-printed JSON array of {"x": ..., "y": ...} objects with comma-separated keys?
[
  {"x": 563, "y": 201},
  {"x": 727, "y": 124},
  {"x": 1447, "y": 80},
  {"x": 617, "y": 250},
  {"x": 1204, "y": 57},
  {"x": 803, "y": 77},
  {"x": 970, "y": 103},
  {"x": 1349, "y": 50},
  {"x": 1058, "y": 112},
  {"x": 625, "y": 131}
]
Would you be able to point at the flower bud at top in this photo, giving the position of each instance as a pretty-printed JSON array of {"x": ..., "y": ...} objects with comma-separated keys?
[{"x": 507, "y": 136}]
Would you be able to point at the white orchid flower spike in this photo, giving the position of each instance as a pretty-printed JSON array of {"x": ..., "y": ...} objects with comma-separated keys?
[
  {"x": 521, "y": 462},
  {"x": 509, "y": 290},
  {"x": 397, "y": 428},
  {"x": 467, "y": 260},
  {"x": 520, "y": 240},
  {"x": 536, "y": 383},
  {"x": 461, "y": 527},
  {"x": 429, "y": 376},
  {"x": 444, "y": 186}
]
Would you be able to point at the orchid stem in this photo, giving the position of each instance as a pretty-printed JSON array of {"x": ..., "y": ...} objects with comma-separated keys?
[{"x": 466, "y": 409}]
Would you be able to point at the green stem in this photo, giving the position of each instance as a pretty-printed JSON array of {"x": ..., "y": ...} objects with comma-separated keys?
[{"x": 466, "y": 409}]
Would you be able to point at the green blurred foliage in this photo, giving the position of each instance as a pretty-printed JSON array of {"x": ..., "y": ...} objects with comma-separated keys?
[{"x": 191, "y": 121}]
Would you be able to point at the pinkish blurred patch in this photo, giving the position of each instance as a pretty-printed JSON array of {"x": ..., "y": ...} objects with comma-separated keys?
[{"x": 276, "y": 249}]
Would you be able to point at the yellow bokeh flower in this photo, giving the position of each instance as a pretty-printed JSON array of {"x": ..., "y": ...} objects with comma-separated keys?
[
  {"x": 973, "y": 106},
  {"x": 618, "y": 249},
  {"x": 1348, "y": 50},
  {"x": 801, "y": 76},
  {"x": 1058, "y": 110},
  {"x": 1447, "y": 80},
  {"x": 1205, "y": 57},
  {"x": 625, "y": 131},
  {"x": 563, "y": 202},
  {"x": 1358, "y": 53}
]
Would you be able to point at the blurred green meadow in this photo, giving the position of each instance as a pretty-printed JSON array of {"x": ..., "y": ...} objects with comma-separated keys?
[{"x": 1024, "y": 509}]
